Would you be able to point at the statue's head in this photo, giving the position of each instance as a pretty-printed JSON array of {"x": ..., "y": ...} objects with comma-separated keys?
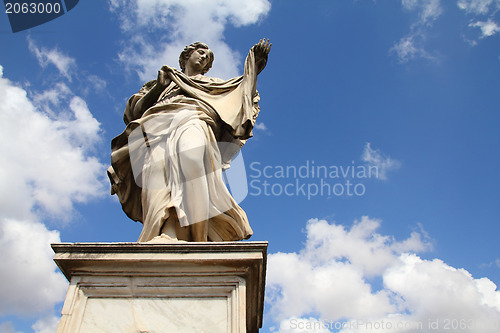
[{"x": 188, "y": 50}]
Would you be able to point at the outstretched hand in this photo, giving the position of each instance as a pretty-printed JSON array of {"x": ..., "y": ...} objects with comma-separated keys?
[
  {"x": 163, "y": 79},
  {"x": 261, "y": 51}
]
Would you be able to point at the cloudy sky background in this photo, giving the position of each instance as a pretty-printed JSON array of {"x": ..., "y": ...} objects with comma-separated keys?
[{"x": 409, "y": 87}]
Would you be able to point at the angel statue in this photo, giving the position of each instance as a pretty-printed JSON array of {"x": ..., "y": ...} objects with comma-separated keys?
[{"x": 182, "y": 130}]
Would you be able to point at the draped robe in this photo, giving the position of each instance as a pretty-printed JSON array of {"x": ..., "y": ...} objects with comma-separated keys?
[{"x": 145, "y": 170}]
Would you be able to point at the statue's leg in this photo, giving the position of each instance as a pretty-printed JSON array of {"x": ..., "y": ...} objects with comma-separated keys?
[
  {"x": 169, "y": 225},
  {"x": 155, "y": 194},
  {"x": 192, "y": 147}
]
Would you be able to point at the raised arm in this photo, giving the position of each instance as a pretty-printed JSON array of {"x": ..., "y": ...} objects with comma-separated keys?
[
  {"x": 261, "y": 51},
  {"x": 151, "y": 97}
]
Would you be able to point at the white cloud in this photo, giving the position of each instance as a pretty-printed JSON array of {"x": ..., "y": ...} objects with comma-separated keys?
[
  {"x": 478, "y": 6},
  {"x": 62, "y": 62},
  {"x": 29, "y": 281},
  {"x": 157, "y": 13},
  {"x": 428, "y": 10},
  {"x": 46, "y": 167},
  {"x": 50, "y": 98},
  {"x": 96, "y": 82},
  {"x": 488, "y": 28},
  {"x": 46, "y": 325},
  {"x": 302, "y": 325},
  {"x": 411, "y": 46},
  {"x": 478, "y": 9},
  {"x": 434, "y": 290},
  {"x": 328, "y": 277},
  {"x": 84, "y": 127},
  {"x": 78, "y": 122},
  {"x": 296, "y": 287},
  {"x": 406, "y": 49},
  {"x": 45, "y": 156},
  {"x": 260, "y": 126},
  {"x": 376, "y": 159},
  {"x": 7, "y": 327},
  {"x": 327, "y": 285},
  {"x": 409, "y": 4},
  {"x": 175, "y": 23},
  {"x": 368, "y": 251}
]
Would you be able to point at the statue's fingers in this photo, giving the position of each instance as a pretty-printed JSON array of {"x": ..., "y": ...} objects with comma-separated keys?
[{"x": 269, "y": 48}]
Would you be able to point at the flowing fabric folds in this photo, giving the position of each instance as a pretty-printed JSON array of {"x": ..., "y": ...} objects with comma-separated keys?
[{"x": 145, "y": 170}]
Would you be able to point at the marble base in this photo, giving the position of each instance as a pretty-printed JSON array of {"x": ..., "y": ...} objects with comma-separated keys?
[{"x": 162, "y": 287}]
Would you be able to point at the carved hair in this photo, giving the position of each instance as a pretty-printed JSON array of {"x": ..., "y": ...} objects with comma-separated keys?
[{"x": 188, "y": 50}]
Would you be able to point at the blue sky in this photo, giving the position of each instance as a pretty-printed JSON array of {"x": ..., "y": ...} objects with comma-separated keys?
[{"x": 410, "y": 87}]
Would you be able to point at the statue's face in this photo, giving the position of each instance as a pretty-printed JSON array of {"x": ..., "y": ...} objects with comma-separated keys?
[{"x": 198, "y": 59}]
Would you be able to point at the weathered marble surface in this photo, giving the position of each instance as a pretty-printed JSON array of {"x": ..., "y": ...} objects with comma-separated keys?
[
  {"x": 182, "y": 129},
  {"x": 156, "y": 315},
  {"x": 177, "y": 287}
]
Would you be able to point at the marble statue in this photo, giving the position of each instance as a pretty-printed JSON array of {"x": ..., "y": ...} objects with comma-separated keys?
[{"x": 182, "y": 130}]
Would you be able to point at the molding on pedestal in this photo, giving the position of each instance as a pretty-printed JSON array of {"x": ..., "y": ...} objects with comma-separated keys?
[{"x": 150, "y": 287}]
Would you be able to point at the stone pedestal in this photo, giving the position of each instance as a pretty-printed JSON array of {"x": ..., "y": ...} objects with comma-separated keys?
[{"x": 167, "y": 287}]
